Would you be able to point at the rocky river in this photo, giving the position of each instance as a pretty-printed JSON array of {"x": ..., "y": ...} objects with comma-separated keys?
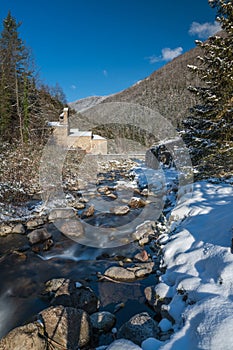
[{"x": 83, "y": 275}]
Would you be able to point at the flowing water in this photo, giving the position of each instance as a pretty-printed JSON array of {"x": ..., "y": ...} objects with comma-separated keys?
[{"x": 23, "y": 271}]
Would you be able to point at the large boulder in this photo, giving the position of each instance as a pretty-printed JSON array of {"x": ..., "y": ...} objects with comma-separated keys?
[
  {"x": 66, "y": 327},
  {"x": 61, "y": 213},
  {"x": 103, "y": 321},
  {"x": 139, "y": 328},
  {"x": 24, "y": 338},
  {"x": 39, "y": 235},
  {"x": 72, "y": 228},
  {"x": 72, "y": 295}
]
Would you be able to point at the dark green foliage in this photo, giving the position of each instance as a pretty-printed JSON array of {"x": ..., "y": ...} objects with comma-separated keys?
[
  {"x": 25, "y": 107},
  {"x": 209, "y": 131}
]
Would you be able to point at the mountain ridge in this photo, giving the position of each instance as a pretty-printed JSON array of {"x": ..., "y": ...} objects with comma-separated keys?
[{"x": 165, "y": 90}]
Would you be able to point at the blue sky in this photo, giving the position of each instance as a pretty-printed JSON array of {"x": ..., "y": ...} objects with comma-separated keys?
[{"x": 99, "y": 47}]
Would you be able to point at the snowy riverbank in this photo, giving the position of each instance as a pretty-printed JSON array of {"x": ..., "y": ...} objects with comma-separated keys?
[{"x": 199, "y": 276}]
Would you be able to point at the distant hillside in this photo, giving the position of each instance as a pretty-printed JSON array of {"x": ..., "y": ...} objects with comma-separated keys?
[
  {"x": 165, "y": 90},
  {"x": 88, "y": 102}
]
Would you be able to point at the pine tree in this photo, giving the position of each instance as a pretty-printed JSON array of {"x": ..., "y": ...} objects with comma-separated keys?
[
  {"x": 209, "y": 131},
  {"x": 15, "y": 79},
  {"x": 25, "y": 106}
]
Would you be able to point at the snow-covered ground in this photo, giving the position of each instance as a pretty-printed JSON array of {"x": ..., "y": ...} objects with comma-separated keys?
[{"x": 199, "y": 274}]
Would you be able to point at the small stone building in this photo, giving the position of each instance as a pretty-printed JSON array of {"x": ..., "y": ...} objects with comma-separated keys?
[{"x": 75, "y": 138}]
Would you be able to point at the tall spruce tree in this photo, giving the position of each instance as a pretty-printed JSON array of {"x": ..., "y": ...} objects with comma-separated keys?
[
  {"x": 15, "y": 82},
  {"x": 209, "y": 130}
]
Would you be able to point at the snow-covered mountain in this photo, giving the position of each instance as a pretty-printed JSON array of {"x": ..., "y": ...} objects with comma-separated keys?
[{"x": 87, "y": 102}]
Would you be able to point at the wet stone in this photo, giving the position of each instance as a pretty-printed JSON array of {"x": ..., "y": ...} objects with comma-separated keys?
[
  {"x": 71, "y": 227},
  {"x": 26, "y": 337},
  {"x": 120, "y": 273},
  {"x": 5, "y": 230},
  {"x": 77, "y": 205},
  {"x": 142, "y": 269},
  {"x": 136, "y": 202},
  {"x": 78, "y": 297},
  {"x": 61, "y": 213},
  {"x": 18, "y": 229},
  {"x": 150, "y": 295},
  {"x": 89, "y": 212},
  {"x": 120, "y": 210},
  {"x": 53, "y": 285},
  {"x": 103, "y": 321},
  {"x": 39, "y": 235},
  {"x": 33, "y": 223},
  {"x": 144, "y": 231},
  {"x": 139, "y": 328},
  {"x": 66, "y": 327},
  {"x": 47, "y": 244},
  {"x": 142, "y": 256}
]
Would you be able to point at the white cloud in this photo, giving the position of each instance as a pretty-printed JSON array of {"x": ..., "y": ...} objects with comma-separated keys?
[
  {"x": 204, "y": 30},
  {"x": 73, "y": 87},
  {"x": 105, "y": 72},
  {"x": 167, "y": 55}
]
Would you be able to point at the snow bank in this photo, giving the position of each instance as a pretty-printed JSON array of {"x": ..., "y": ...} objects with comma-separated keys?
[{"x": 199, "y": 275}]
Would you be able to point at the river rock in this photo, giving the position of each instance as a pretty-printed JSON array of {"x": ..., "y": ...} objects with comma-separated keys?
[
  {"x": 66, "y": 327},
  {"x": 61, "y": 213},
  {"x": 142, "y": 256},
  {"x": 103, "y": 321},
  {"x": 89, "y": 212},
  {"x": 47, "y": 244},
  {"x": 123, "y": 344},
  {"x": 136, "y": 202},
  {"x": 77, "y": 205},
  {"x": 139, "y": 328},
  {"x": 112, "y": 196},
  {"x": 53, "y": 285},
  {"x": 5, "y": 230},
  {"x": 72, "y": 228},
  {"x": 147, "y": 268},
  {"x": 120, "y": 210},
  {"x": 39, "y": 235},
  {"x": 144, "y": 231},
  {"x": 35, "y": 222},
  {"x": 24, "y": 338},
  {"x": 78, "y": 297},
  {"x": 120, "y": 273},
  {"x": 150, "y": 295},
  {"x": 19, "y": 229},
  {"x": 104, "y": 190}
]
